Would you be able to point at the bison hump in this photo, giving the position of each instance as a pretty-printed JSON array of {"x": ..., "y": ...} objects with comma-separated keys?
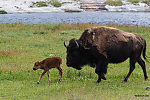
[{"x": 102, "y": 37}]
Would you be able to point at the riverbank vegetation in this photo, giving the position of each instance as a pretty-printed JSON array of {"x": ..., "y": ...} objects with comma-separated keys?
[
  {"x": 68, "y": 10},
  {"x": 134, "y": 1},
  {"x": 3, "y": 12},
  {"x": 55, "y": 3},
  {"x": 22, "y": 45},
  {"x": 146, "y": 2},
  {"x": 113, "y": 2},
  {"x": 142, "y": 1}
]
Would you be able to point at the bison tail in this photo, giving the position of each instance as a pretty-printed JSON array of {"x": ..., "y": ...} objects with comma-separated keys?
[{"x": 144, "y": 52}]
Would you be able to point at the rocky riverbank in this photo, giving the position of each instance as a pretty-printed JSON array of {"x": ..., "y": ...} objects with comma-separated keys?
[{"x": 12, "y": 6}]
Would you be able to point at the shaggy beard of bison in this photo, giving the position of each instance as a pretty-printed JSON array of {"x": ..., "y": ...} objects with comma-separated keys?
[
  {"x": 78, "y": 63},
  {"x": 89, "y": 57}
]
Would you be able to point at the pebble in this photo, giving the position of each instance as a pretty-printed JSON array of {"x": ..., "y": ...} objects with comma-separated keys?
[{"x": 147, "y": 88}]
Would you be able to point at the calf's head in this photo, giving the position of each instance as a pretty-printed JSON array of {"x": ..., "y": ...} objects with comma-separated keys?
[
  {"x": 74, "y": 54},
  {"x": 37, "y": 65}
]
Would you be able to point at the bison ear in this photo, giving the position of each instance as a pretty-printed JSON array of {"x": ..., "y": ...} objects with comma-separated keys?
[{"x": 65, "y": 44}]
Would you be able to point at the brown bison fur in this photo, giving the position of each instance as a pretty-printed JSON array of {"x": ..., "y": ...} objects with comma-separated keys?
[
  {"x": 102, "y": 45},
  {"x": 47, "y": 64},
  {"x": 104, "y": 36}
]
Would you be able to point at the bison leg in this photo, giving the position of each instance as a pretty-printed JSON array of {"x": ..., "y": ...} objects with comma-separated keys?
[
  {"x": 99, "y": 79},
  {"x": 48, "y": 73},
  {"x": 100, "y": 76},
  {"x": 142, "y": 64},
  {"x": 41, "y": 76},
  {"x": 101, "y": 70},
  {"x": 132, "y": 67},
  {"x": 60, "y": 73}
]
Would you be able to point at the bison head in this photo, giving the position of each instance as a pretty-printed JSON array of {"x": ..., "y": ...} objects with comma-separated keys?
[{"x": 74, "y": 54}]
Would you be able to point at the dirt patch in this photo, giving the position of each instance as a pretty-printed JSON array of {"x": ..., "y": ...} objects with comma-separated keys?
[{"x": 8, "y": 53}]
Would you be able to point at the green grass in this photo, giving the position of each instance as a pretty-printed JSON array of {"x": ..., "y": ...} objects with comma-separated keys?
[
  {"x": 21, "y": 45},
  {"x": 114, "y": 2}
]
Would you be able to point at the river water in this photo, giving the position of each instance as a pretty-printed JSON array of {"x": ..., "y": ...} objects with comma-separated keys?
[{"x": 121, "y": 18}]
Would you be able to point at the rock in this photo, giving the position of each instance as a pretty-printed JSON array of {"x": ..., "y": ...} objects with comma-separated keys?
[
  {"x": 51, "y": 55},
  {"x": 147, "y": 88},
  {"x": 129, "y": 7},
  {"x": 102, "y": 8}
]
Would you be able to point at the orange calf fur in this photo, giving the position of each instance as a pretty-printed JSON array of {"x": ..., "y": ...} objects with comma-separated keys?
[{"x": 47, "y": 64}]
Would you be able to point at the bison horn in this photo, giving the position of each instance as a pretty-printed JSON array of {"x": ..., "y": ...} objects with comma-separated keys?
[
  {"x": 76, "y": 43},
  {"x": 65, "y": 44}
]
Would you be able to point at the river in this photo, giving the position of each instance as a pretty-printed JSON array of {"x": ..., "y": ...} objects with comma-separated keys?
[{"x": 98, "y": 17}]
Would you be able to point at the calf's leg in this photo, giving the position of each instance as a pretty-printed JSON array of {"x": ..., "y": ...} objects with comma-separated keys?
[
  {"x": 60, "y": 73},
  {"x": 48, "y": 73},
  {"x": 38, "y": 82}
]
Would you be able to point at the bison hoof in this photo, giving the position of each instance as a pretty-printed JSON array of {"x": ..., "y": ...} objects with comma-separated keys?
[
  {"x": 146, "y": 78},
  {"x": 97, "y": 82},
  {"x": 104, "y": 78},
  {"x": 124, "y": 81},
  {"x": 60, "y": 80},
  {"x": 38, "y": 82},
  {"x": 147, "y": 88}
]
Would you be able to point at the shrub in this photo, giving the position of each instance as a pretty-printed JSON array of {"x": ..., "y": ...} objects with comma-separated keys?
[
  {"x": 3, "y": 12},
  {"x": 67, "y": 10},
  {"x": 39, "y": 4},
  {"x": 56, "y": 3},
  {"x": 134, "y": 1},
  {"x": 46, "y": 3},
  {"x": 114, "y": 3},
  {"x": 146, "y": 2}
]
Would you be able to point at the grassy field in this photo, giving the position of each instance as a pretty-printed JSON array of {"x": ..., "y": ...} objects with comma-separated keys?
[{"x": 21, "y": 45}]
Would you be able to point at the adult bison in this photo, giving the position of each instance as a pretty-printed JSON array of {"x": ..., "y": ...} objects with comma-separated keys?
[{"x": 102, "y": 45}]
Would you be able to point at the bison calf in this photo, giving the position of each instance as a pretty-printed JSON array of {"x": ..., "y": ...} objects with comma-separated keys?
[{"x": 48, "y": 63}]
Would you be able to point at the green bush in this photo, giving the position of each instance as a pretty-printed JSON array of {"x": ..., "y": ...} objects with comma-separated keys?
[
  {"x": 67, "y": 10},
  {"x": 39, "y": 4},
  {"x": 3, "y": 12},
  {"x": 146, "y": 2},
  {"x": 114, "y": 3},
  {"x": 46, "y": 3},
  {"x": 56, "y": 3},
  {"x": 134, "y": 1}
]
